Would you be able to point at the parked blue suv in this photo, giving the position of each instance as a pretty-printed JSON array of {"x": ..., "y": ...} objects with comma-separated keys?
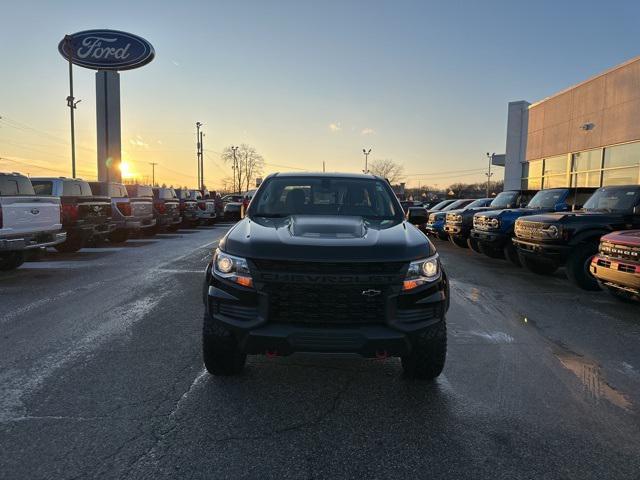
[{"x": 493, "y": 230}]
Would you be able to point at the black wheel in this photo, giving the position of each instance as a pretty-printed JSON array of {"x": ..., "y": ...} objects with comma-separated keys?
[
  {"x": 11, "y": 260},
  {"x": 442, "y": 235},
  {"x": 70, "y": 245},
  {"x": 458, "y": 242},
  {"x": 211, "y": 221},
  {"x": 428, "y": 353},
  {"x": 511, "y": 254},
  {"x": 490, "y": 251},
  {"x": 578, "y": 266},
  {"x": 173, "y": 228},
  {"x": 473, "y": 245},
  {"x": 539, "y": 268},
  {"x": 220, "y": 350},
  {"x": 119, "y": 236}
]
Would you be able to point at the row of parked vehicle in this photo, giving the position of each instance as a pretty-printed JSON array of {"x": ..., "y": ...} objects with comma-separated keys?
[
  {"x": 593, "y": 233},
  {"x": 69, "y": 213}
]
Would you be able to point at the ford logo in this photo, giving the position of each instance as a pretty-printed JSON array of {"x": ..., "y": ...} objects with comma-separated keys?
[
  {"x": 371, "y": 293},
  {"x": 35, "y": 211},
  {"x": 106, "y": 50}
]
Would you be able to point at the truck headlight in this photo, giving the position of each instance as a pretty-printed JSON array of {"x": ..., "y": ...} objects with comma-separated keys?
[
  {"x": 552, "y": 231},
  {"x": 232, "y": 268},
  {"x": 494, "y": 223},
  {"x": 421, "y": 272}
]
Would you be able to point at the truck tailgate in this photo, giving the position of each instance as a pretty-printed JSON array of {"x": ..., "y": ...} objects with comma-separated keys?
[
  {"x": 94, "y": 209},
  {"x": 142, "y": 207},
  {"x": 25, "y": 214}
]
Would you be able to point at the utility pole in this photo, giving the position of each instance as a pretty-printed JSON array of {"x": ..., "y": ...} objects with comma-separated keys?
[
  {"x": 153, "y": 173},
  {"x": 488, "y": 174},
  {"x": 235, "y": 162},
  {"x": 366, "y": 159},
  {"x": 323, "y": 166},
  {"x": 71, "y": 103},
  {"x": 201, "y": 161},
  {"x": 199, "y": 153}
]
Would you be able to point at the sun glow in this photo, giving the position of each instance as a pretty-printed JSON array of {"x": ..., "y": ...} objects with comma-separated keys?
[{"x": 125, "y": 168}]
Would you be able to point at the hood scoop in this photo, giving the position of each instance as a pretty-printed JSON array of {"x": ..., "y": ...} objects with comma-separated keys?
[{"x": 320, "y": 226}]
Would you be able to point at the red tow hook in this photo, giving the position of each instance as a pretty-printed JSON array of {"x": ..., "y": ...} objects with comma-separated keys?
[
  {"x": 271, "y": 354},
  {"x": 382, "y": 355}
]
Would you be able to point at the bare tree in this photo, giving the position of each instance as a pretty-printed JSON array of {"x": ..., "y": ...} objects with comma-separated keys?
[
  {"x": 388, "y": 169},
  {"x": 249, "y": 165}
]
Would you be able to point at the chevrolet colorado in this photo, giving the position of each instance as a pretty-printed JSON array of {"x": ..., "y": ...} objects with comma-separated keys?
[
  {"x": 325, "y": 263},
  {"x": 551, "y": 240},
  {"x": 27, "y": 221}
]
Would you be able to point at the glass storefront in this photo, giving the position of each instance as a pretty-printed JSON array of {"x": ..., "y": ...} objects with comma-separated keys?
[{"x": 616, "y": 165}]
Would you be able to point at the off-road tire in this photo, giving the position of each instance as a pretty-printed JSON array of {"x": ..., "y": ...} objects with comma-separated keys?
[
  {"x": 70, "y": 245},
  {"x": 490, "y": 252},
  {"x": 578, "y": 266},
  {"x": 11, "y": 260},
  {"x": 473, "y": 245},
  {"x": 511, "y": 254},
  {"x": 458, "y": 242},
  {"x": 220, "y": 350},
  {"x": 428, "y": 353},
  {"x": 119, "y": 236},
  {"x": 539, "y": 268}
]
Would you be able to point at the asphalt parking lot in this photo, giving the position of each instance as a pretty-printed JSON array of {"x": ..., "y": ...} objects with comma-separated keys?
[{"x": 101, "y": 377}]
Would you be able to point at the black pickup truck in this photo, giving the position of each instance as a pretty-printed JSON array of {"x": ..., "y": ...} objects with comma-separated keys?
[
  {"x": 85, "y": 216},
  {"x": 548, "y": 241},
  {"x": 325, "y": 263}
]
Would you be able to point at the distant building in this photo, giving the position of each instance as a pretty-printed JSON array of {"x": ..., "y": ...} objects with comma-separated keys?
[{"x": 586, "y": 136}]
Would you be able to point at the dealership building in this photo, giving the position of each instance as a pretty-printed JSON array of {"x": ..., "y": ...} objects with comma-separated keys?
[{"x": 585, "y": 136}]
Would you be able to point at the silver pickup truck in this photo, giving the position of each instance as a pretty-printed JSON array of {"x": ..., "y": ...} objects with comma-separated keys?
[
  {"x": 130, "y": 215},
  {"x": 27, "y": 221}
]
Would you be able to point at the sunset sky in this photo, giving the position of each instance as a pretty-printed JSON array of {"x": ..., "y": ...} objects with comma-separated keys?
[{"x": 423, "y": 83}]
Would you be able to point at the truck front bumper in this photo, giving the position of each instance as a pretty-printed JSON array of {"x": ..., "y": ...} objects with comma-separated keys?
[
  {"x": 455, "y": 230},
  {"x": 495, "y": 239},
  {"x": 32, "y": 240},
  {"x": 436, "y": 228},
  {"x": 616, "y": 273},
  {"x": 545, "y": 252},
  {"x": 245, "y": 312}
]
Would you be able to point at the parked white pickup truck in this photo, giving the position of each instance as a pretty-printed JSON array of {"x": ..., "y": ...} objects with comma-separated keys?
[{"x": 27, "y": 221}]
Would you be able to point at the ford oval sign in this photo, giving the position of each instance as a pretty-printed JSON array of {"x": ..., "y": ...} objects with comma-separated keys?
[{"x": 106, "y": 50}]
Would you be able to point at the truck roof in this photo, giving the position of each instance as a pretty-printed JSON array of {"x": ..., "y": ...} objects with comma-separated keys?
[{"x": 324, "y": 175}]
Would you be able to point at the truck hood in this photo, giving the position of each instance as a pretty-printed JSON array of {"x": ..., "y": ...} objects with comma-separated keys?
[
  {"x": 567, "y": 218},
  {"x": 331, "y": 238}
]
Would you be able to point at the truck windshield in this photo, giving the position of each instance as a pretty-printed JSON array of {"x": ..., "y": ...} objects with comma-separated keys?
[
  {"x": 369, "y": 198},
  {"x": 166, "y": 193},
  {"x": 455, "y": 205},
  {"x": 481, "y": 202},
  {"x": 42, "y": 187},
  {"x": 613, "y": 199},
  {"x": 504, "y": 199},
  {"x": 441, "y": 205},
  {"x": 547, "y": 198}
]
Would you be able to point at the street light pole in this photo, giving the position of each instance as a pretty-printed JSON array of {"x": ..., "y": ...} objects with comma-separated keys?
[
  {"x": 235, "y": 161},
  {"x": 366, "y": 159},
  {"x": 201, "y": 161},
  {"x": 488, "y": 174},
  {"x": 198, "y": 153}
]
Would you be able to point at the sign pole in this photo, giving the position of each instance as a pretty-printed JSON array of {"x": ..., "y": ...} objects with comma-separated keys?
[{"x": 72, "y": 106}]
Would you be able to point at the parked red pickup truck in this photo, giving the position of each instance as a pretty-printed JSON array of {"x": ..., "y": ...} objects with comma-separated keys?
[{"x": 85, "y": 217}]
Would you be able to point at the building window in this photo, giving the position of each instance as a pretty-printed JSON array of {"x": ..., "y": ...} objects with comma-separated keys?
[
  {"x": 621, "y": 164},
  {"x": 532, "y": 175},
  {"x": 586, "y": 169},
  {"x": 555, "y": 172}
]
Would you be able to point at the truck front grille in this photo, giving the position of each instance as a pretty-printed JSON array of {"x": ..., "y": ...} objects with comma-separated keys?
[
  {"x": 530, "y": 230},
  {"x": 330, "y": 268},
  {"x": 326, "y": 304},
  {"x": 622, "y": 252}
]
